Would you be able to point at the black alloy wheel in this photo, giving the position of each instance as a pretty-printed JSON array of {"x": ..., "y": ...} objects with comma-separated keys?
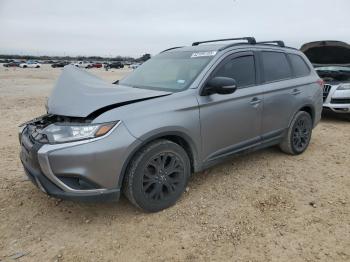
[
  {"x": 162, "y": 176},
  {"x": 301, "y": 134},
  {"x": 157, "y": 175},
  {"x": 298, "y": 135}
]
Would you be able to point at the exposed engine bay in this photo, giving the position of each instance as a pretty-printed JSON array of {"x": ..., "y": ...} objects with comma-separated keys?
[{"x": 334, "y": 73}]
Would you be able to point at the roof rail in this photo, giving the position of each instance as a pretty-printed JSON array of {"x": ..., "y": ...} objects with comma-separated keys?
[
  {"x": 278, "y": 42},
  {"x": 171, "y": 49},
  {"x": 250, "y": 40}
]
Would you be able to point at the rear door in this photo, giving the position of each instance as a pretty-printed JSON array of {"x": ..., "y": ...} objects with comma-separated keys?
[
  {"x": 280, "y": 95},
  {"x": 232, "y": 122}
]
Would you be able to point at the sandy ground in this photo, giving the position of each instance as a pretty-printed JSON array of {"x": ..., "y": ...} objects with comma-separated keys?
[{"x": 265, "y": 206}]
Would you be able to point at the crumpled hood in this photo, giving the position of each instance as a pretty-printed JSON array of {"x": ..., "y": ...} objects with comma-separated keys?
[
  {"x": 78, "y": 93},
  {"x": 322, "y": 53}
]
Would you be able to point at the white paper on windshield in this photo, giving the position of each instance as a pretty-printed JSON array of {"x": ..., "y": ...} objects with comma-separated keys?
[{"x": 202, "y": 54}]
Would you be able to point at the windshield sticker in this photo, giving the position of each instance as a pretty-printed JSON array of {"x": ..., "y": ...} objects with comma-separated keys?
[
  {"x": 202, "y": 54},
  {"x": 181, "y": 81}
]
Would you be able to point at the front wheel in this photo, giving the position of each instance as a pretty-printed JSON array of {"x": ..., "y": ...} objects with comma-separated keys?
[
  {"x": 299, "y": 134},
  {"x": 157, "y": 176}
]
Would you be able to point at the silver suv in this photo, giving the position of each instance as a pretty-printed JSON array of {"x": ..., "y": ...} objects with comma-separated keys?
[{"x": 180, "y": 112}]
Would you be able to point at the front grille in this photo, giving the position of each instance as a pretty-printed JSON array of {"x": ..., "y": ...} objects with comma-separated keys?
[
  {"x": 326, "y": 89},
  {"x": 340, "y": 101},
  {"x": 29, "y": 151}
]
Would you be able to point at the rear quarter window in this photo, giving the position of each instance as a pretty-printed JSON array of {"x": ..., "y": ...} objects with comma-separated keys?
[
  {"x": 275, "y": 66},
  {"x": 300, "y": 68}
]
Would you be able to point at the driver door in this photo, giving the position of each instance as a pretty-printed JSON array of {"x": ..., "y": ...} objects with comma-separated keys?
[{"x": 232, "y": 122}]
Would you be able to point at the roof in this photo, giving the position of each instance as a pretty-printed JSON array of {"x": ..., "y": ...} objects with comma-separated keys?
[
  {"x": 203, "y": 46},
  {"x": 219, "y": 47}
]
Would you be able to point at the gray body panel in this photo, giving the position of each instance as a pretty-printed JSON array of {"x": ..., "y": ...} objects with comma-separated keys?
[
  {"x": 100, "y": 161},
  {"x": 228, "y": 120},
  {"x": 160, "y": 117},
  {"x": 214, "y": 126}
]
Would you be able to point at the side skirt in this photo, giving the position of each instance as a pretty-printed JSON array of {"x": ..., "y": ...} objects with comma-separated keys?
[{"x": 268, "y": 140}]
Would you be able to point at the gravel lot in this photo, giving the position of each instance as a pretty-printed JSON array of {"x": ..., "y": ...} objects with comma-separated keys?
[{"x": 265, "y": 206}]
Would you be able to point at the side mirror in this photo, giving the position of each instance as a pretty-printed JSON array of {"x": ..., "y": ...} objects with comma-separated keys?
[{"x": 220, "y": 85}]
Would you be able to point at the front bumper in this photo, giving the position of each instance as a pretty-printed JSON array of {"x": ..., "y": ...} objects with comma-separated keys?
[
  {"x": 48, "y": 187},
  {"x": 336, "y": 100},
  {"x": 85, "y": 170}
]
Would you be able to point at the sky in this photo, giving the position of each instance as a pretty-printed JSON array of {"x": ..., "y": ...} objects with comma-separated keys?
[{"x": 134, "y": 27}]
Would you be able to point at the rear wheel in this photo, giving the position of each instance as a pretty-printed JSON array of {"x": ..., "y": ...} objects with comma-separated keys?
[
  {"x": 157, "y": 176},
  {"x": 299, "y": 134}
]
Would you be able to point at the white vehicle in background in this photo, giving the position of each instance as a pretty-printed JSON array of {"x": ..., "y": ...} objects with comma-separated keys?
[
  {"x": 30, "y": 64},
  {"x": 82, "y": 64},
  {"x": 336, "y": 90},
  {"x": 331, "y": 60},
  {"x": 134, "y": 66}
]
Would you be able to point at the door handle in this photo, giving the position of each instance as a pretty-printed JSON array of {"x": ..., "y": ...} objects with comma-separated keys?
[
  {"x": 255, "y": 101},
  {"x": 296, "y": 92}
]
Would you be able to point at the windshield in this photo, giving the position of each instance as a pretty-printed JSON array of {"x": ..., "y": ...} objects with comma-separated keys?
[{"x": 173, "y": 71}]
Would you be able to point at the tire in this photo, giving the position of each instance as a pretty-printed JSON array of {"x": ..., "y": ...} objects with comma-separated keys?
[
  {"x": 157, "y": 176},
  {"x": 299, "y": 134},
  {"x": 37, "y": 67},
  {"x": 24, "y": 66}
]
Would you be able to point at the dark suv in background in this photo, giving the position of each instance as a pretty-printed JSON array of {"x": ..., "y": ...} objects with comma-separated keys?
[
  {"x": 116, "y": 65},
  {"x": 180, "y": 112}
]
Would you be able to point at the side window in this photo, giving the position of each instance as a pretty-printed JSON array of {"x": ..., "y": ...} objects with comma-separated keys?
[
  {"x": 300, "y": 68},
  {"x": 275, "y": 66},
  {"x": 242, "y": 69}
]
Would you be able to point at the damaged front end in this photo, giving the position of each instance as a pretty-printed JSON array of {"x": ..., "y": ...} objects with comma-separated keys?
[
  {"x": 53, "y": 129},
  {"x": 66, "y": 153},
  {"x": 76, "y": 100},
  {"x": 35, "y": 127},
  {"x": 80, "y": 94},
  {"x": 71, "y": 158},
  {"x": 67, "y": 169}
]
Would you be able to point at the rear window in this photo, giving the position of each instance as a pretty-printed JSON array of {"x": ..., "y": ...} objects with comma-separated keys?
[
  {"x": 276, "y": 66},
  {"x": 300, "y": 68}
]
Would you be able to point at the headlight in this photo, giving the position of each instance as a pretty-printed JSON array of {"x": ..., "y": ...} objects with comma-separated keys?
[
  {"x": 60, "y": 133},
  {"x": 344, "y": 87}
]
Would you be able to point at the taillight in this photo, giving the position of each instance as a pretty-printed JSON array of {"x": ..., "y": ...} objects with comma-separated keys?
[{"x": 320, "y": 82}]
